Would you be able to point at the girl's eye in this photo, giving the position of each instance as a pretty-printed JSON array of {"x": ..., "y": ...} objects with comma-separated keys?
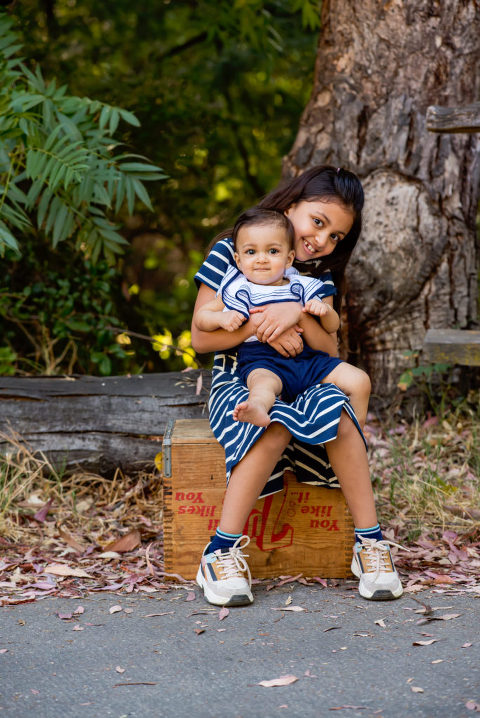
[
  {"x": 335, "y": 237},
  {"x": 318, "y": 222}
]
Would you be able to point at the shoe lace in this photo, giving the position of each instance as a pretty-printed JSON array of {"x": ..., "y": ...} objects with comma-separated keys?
[
  {"x": 233, "y": 562},
  {"x": 376, "y": 554}
]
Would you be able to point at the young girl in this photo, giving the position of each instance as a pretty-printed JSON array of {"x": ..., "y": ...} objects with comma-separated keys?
[
  {"x": 324, "y": 205},
  {"x": 263, "y": 242}
]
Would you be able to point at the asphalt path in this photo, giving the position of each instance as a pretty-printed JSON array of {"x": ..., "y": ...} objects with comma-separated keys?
[{"x": 350, "y": 657}]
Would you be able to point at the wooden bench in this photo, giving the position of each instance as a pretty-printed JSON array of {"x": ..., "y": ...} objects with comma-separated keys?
[
  {"x": 453, "y": 346},
  {"x": 303, "y": 529}
]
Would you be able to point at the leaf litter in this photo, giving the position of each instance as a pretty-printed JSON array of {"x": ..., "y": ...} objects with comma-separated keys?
[{"x": 70, "y": 535}]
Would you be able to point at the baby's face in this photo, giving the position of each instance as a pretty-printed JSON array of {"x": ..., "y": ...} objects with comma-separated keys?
[{"x": 263, "y": 254}]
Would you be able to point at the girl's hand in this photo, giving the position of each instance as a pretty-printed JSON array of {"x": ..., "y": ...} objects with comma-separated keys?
[
  {"x": 289, "y": 343},
  {"x": 316, "y": 307},
  {"x": 231, "y": 320},
  {"x": 276, "y": 319}
]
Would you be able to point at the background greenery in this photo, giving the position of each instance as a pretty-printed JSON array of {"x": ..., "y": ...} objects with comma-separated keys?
[{"x": 218, "y": 89}]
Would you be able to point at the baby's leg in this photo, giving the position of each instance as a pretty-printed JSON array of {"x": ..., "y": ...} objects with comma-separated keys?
[
  {"x": 263, "y": 386},
  {"x": 355, "y": 383}
]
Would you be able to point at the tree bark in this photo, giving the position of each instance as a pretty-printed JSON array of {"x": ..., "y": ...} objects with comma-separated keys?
[{"x": 379, "y": 67}]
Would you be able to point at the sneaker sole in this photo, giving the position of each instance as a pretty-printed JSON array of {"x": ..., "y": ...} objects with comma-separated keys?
[
  {"x": 381, "y": 594},
  {"x": 238, "y": 599}
]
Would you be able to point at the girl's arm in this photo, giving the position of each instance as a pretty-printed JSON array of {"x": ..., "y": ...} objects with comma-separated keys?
[
  {"x": 288, "y": 344},
  {"x": 315, "y": 335}
]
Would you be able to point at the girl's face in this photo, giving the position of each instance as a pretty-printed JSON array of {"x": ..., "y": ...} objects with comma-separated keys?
[{"x": 319, "y": 226}]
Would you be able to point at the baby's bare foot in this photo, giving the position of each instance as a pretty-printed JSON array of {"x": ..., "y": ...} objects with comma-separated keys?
[{"x": 251, "y": 412}]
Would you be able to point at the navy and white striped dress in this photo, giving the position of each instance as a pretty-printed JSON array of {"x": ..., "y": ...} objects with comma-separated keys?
[{"x": 312, "y": 418}]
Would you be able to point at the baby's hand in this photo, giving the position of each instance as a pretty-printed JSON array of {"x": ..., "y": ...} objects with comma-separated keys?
[
  {"x": 316, "y": 307},
  {"x": 231, "y": 320}
]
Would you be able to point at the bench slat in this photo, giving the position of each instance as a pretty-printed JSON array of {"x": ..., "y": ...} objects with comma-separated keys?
[
  {"x": 455, "y": 346},
  {"x": 454, "y": 119}
]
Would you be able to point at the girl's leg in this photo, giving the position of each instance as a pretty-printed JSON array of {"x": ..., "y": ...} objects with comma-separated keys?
[
  {"x": 349, "y": 461},
  {"x": 356, "y": 384},
  {"x": 372, "y": 561},
  {"x": 250, "y": 476},
  {"x": 223, "y": 574},
  {"x": 263, "y": 386}
]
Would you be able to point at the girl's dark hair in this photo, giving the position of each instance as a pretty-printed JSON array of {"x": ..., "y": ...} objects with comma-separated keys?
[
  {"x": 257, "y": 216},
  {"x": 324, "y": 183}
]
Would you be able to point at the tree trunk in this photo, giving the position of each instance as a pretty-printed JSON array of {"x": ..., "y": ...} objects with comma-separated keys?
[{"x": 379, "y": 66}]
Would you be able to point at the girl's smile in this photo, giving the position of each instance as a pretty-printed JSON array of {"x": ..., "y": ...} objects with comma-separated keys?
[{"x": 319, "y": 226}]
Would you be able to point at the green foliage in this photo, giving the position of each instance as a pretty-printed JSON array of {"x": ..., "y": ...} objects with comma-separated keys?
[
  {"x": 433, "y": 381},
  {"x": 218, "y": 89},
  {"x": 60, "y": 170}
]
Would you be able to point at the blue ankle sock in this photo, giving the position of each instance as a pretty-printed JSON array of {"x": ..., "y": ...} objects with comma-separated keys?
[
  {"x": 374, "y": 532},
  {"x": 222, "y": 540}
]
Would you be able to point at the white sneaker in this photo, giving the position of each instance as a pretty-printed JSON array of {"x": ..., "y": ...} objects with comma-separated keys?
[
  {"x": 372, "y": 563},
  {"x": 221, "y": 575}
]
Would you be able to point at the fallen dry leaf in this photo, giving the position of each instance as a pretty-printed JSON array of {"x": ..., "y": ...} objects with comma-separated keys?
[
  {"x": 472, "y": 706},
  {"x": 281, "y": 681},
  {"x": 438, "y": 660},
  {"x": 152, "y": 615},
  {"x": 119, "y": 669},
  {"x": 61, "y": 569},
  {"x": 78, "y": 628},
  {"x": 3, "y": 650},
  {"x": 467, "y": 645},
  {"x": 70, "y": 540},
  {"x": 114, "y": 609},
  {"x": 425, "y": 643},
  {"x": 342, "y": 708},
  {"x": 125, "y": 543},
  {"x": 78, "y": 611},
  {"x": 137, "y": 683},
  {"x": 41, "y": 515},
  {"x": 190, "y": 596},
  {"x": 381, "y": 623},
  {"x": 288, "y": 601},
  {"x": 289, "y": 608},
  {"x": 198, "y": 631},
  {"x": 223, "y": 613},
  {"x": 416, "y": 689}
]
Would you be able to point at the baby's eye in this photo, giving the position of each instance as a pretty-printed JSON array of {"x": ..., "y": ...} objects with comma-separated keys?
[
  {"x": 250, "y": 251},
  {"x": 273, "y": 251}
]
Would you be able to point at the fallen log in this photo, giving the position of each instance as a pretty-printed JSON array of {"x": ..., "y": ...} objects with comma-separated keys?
[{"x": 99, "y": 423}]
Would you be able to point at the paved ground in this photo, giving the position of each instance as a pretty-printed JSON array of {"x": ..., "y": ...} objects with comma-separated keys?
[{"x": 343, "y": 660}]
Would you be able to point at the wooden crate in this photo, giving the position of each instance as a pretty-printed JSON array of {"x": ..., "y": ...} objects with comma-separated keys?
[{"x": 303, "y": 529}]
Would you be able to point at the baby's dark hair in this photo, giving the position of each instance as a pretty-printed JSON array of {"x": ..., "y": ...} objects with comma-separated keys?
[{"x": 257, "y": 216}]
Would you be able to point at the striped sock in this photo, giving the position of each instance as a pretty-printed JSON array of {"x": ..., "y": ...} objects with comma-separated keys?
[
  {"x": 374, "y": 532},
  {"x": 222, "y": 540}
]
